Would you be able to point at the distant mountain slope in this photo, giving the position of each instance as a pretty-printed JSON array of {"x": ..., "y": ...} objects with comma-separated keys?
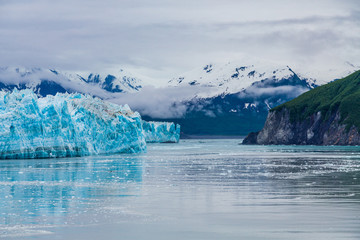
[
  {"x": 122, "y": 82},
  {"x": 234, "y": 77},
  {"x": 234, "y": 98},
  {"x": 242, "y": 111},
  {"x": 327, "y": 115},
  {"x": 49, "y": 81}
]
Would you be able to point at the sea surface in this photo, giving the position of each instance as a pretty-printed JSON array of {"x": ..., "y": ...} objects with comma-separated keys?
[{"x": 197, "y": 189}]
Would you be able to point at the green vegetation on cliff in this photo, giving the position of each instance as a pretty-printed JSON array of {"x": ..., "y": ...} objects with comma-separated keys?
[{"x": 342, "y": 95}]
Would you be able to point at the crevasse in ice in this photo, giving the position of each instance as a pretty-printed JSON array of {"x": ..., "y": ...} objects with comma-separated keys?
[
  {"x": 66, "y": 125},
  {"x": 161, "y": 132}
]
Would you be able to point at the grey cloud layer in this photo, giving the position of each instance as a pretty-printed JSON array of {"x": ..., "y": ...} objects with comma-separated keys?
[{"x": 164, "y": 37}]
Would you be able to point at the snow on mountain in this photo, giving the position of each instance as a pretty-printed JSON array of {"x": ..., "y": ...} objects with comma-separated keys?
[
  {"x": 215, "y": 79},
  {"x": 121, "y": 82},
  {"x": 260, "y": 84},
  {"x": 324, "y": 76},
  {"x": 50, "y": 81},
  {"x": 231, "y": 98},
  {"x": 233, "y": 77},
  {"x": 208, "y": 81}
]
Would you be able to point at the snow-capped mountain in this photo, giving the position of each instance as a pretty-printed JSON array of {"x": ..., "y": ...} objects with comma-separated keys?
[
  {"x": 49, "y": 81},
  {"x": 233, "y": 77},
  {"x": 323, "y": 76},
  {"x": 121, "y": 82},
  {"x": 234, "y": 98}
]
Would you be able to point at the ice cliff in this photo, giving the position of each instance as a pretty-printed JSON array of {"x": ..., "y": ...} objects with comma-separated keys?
[
  {"x": 161, "y": 132},
  {"x": 66, "y": 125}
]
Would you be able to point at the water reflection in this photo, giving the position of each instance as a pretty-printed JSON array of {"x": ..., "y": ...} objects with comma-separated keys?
[
  {"x": 33, "y": 191},
  {"x": 194, "y": 190}
]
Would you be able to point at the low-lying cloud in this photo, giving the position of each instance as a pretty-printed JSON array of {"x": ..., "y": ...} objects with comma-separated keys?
[
  {"x": 175, "y": 102},
  {"x": 170, "y": 102},
  {"x": 288, "y": 91}
]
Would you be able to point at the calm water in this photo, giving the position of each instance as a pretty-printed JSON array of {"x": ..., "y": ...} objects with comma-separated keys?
[{"x": 198, "y": 189}]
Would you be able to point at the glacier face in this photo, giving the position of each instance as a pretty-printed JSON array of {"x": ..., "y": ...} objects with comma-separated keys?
[
  {"x": 66, "y": 125},
  {"x": 161, "y": 132}
]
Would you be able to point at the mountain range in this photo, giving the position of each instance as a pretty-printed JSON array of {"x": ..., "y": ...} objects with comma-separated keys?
[
  {"x": 216, "y": 99},
  {"x": 50, "y": 81}
]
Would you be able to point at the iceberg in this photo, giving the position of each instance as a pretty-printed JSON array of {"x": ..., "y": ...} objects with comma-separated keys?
[
  {"x": 161, "y": 132},
  {"x": 66, "y": 125}
]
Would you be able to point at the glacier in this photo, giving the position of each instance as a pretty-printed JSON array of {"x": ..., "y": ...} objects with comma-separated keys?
[
  {"x": 66, "y": 125},
  {"x": 161, "y": 132}
]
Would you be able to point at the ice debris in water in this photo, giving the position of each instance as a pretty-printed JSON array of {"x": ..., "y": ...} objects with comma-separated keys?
[
  {"x": 161, "y": 132},
  {"x": 66, "y": 125}
]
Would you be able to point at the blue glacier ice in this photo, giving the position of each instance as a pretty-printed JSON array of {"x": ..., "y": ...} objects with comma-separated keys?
[
  {"x": 66, "y": 125},
  {"x": 161, "y": 132}
]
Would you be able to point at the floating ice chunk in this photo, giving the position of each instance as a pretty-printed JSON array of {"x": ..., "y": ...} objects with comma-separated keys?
[
  {"x": 66, "y": 125},
  {"x": 161, "y": 132}
]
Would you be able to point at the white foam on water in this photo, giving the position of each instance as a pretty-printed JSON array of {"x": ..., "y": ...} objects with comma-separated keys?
[{"x": 23, "y": 231}]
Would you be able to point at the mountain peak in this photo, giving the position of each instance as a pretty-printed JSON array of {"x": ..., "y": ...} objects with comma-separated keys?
[
  {"x": 38, "y": 79},
  {"x": 231, "y": 77}
]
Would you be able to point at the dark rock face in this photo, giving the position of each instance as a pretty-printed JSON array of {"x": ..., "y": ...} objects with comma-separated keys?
[
  {"x": 44, "y": 88},
  {"x": 314, "y": 130}
]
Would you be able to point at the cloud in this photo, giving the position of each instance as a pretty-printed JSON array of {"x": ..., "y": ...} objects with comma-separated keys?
[
  {"x": 175, "y": 102},
  {"x": 163, "y": 38},
  {"x": 158, "y": 102},
  {"x": 256, "y": 92}
]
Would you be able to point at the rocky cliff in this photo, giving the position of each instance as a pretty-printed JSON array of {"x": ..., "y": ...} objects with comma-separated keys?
[
  {"x": 279, "y": 129},
  {"x": 327, "y": 115}
]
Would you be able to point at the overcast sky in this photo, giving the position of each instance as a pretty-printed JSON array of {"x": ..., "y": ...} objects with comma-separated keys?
[{"x": 163, "y": 38}]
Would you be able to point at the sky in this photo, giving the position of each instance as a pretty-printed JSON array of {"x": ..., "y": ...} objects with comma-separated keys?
[{"x": 160, "y": 39}]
